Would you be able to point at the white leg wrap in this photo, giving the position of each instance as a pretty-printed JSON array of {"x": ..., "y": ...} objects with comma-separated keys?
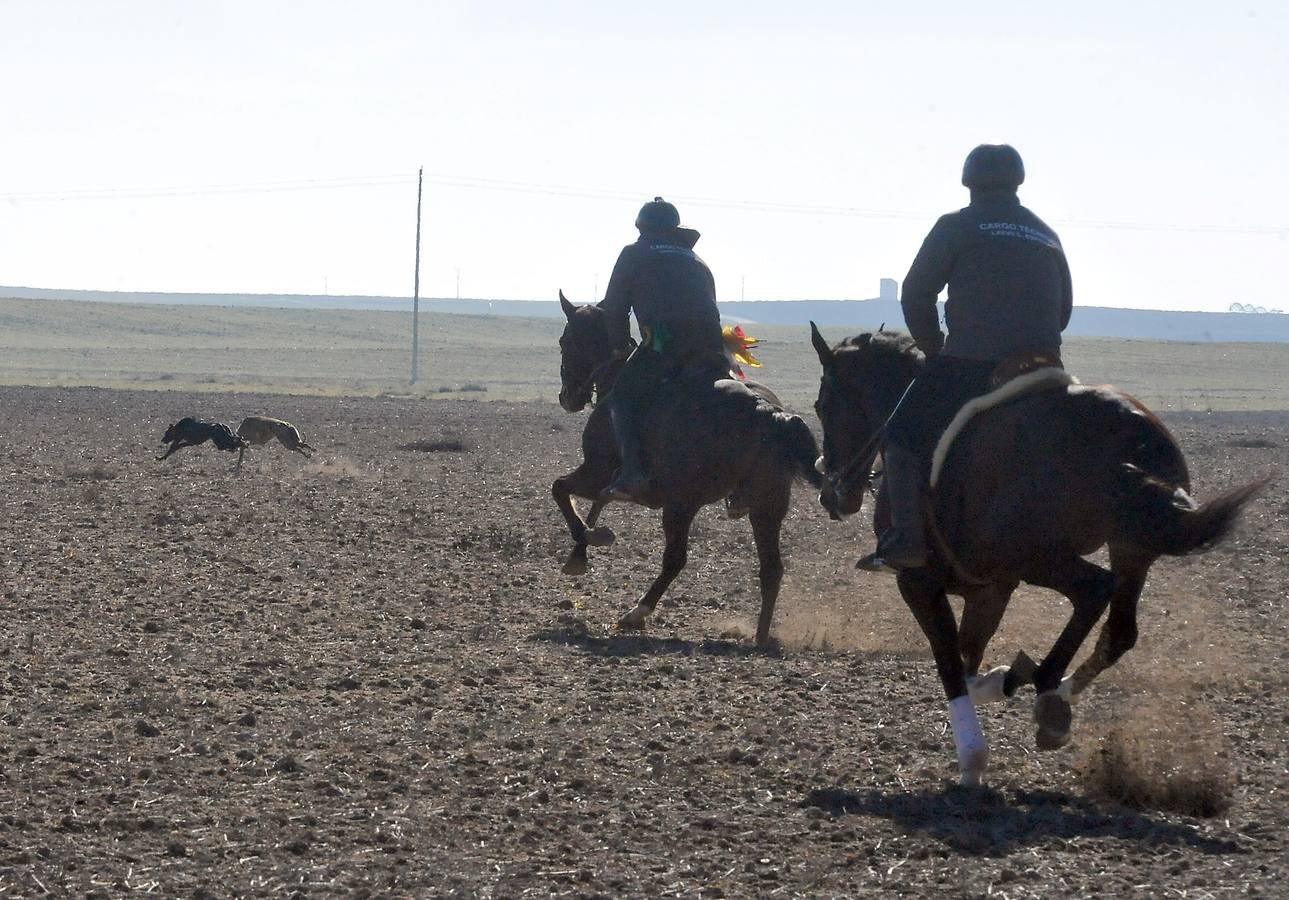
[
  {"x": 988, "y": 688},
  {"x": 973, "y": 753}
]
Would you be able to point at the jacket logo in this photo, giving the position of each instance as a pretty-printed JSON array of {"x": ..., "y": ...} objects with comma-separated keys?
[{"x": 1011, "y": 229}]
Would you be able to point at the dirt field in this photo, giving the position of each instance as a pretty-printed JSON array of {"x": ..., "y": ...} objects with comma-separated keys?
[{"x": 364, "y": 674}]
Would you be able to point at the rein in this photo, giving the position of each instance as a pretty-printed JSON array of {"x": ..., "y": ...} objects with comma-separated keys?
[
  {"x": 866, "y": 453},
  {"x": 590, "y": 387}
]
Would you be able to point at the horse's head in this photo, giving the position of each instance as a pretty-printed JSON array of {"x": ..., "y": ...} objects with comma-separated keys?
[
  {"x": 583, "y": 351},
  {"x": 863, "y": 378}
]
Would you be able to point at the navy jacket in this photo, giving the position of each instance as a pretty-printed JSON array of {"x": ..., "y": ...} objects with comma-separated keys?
[
  {"x": 666, "y": 283},
  {"x": 1009, "y": 283}
]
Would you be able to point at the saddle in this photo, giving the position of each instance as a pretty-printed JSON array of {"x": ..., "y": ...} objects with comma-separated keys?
[
  {"x": 1038, "y": 377},
  {"x": 1022, "y": 363},
  {"x": 695, "y": 366}
]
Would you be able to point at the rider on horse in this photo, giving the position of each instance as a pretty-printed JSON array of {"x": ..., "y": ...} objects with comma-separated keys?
[
  {"x": 674, "y": 298},
  {"x": 1009, "y": 300}
]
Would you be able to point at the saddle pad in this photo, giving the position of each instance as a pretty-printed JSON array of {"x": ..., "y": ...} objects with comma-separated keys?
[{"x": 1038, "y": 380}]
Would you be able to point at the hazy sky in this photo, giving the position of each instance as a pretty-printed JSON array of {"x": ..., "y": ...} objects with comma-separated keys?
[{"x": 272, "y": 147}]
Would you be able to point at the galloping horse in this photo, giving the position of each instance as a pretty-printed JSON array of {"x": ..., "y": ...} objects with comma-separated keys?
[
  {"x": 704, "y": 442},
  {"x": 1026, "y": 489}
]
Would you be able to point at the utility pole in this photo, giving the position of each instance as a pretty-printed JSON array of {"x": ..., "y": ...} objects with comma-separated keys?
[{"x": 416, "y": 281}]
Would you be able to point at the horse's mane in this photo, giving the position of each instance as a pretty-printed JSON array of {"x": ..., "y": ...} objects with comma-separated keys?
[
  {"x": 882, "y": 351},
  {"x": 894, "y": 343}
]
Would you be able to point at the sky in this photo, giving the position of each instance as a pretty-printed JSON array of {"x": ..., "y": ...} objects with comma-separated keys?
[{"x": 273, "y": 147}]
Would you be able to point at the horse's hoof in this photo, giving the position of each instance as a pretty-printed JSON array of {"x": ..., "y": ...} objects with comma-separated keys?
[
  {"x": 576, "y": 565},
  {"x": 1054, "y": 717},
  {"x": 970, "y": 779},
  {"x": 633, "y": 621},
  {"x": 1020, "y": 673},
  {"x": 1049, "y": 740},
  {"x": 601, "y": 536},
  {"x": 988, "y": 688}
]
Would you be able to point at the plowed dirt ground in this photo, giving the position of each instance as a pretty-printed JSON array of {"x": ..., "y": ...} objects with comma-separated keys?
[{"x": 364, "y": 674}]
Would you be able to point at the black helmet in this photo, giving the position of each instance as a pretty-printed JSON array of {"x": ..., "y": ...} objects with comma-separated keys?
[
  {"x": 993, "y": 166},
  {"x": 656, "y": 216}
]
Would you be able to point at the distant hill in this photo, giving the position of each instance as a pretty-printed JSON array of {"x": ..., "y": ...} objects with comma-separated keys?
[{"x": 1088, "y": 321}]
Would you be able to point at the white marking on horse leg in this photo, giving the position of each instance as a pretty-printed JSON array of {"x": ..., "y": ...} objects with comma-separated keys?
[
  {"x": 988, "y": 688},
  {"x": 1066, "y": 690},
  {"x": 973, "y": 752}
]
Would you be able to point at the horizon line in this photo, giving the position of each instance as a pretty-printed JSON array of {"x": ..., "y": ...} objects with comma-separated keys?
[{"x": 387, "y": 298}]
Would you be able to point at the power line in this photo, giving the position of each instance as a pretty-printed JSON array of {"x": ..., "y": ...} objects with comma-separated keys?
[
  {"x": 207, "y": 190},
  {"x": 556, "y": 190},
  {"x": 815, "y": 210}
]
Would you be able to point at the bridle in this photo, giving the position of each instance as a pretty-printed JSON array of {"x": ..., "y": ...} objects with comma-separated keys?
[
  {"x": 590, "y": 386},
  {"x": 863, "y": 458}
]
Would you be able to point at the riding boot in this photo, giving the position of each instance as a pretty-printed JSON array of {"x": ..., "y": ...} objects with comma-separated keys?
[
  {"x": 903, "y": 545},
  {"x": 631, "y": 480}
]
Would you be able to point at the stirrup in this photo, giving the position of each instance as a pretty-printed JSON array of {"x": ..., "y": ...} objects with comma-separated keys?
[
  {"x": 890, "y": 563},
  {"x": 874, "y": 562},
  {"x": 620, "y": 489}
]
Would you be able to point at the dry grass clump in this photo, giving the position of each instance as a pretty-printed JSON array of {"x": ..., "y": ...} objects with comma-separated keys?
[
  {"x": 1168, "y": 758},
  {"x": 470, "y": 387}
]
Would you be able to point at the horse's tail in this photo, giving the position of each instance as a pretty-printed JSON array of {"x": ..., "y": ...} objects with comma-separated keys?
[
  {"x": 1164, "y": 519},
  {"x": 797, "y": 443}
]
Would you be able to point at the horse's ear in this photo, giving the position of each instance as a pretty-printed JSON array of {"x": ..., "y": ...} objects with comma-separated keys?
[
  {"x": 821, "y": 345},
  {"x": 568, "y": 308}
]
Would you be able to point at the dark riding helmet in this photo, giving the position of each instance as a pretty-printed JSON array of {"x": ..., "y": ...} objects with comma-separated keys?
[
  {"x": 657, "y": 216},
  {"x": 993, "y": 166}
]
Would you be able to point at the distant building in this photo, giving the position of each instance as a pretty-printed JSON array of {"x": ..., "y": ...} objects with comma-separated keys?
[
  {"x": 1252, "y": 308},
  {"x": 888, "y": 289}
]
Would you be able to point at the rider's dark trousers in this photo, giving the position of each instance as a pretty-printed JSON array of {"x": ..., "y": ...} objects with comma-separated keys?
[{"x": 636, "y": 383}]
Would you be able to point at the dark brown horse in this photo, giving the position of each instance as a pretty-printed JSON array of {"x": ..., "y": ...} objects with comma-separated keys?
[
  {"x": 704, "y": 443},
  {"x": 1027, "y": 489}
]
